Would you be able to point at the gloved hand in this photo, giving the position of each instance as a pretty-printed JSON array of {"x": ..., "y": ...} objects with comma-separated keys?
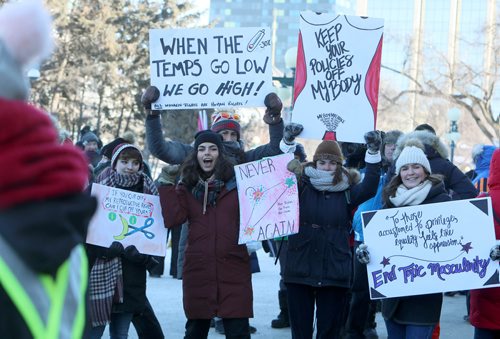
[
  {"x": 295, "y": 167},
  {"x": 150, "y": 95},
  {"x": 291, "y": 131},
  {"x": 495, "y": 252},
  {"x": 132, "y": 254},
  {"x": 373, "y": 141},
  {"x": 273, "y": 109},
  {"x": 362, "y": 254},
  {"x": 115, "y": 250},
  {"x": 169, "y": 174}
]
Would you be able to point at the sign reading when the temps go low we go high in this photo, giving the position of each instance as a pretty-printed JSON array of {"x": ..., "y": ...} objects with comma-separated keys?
[
  {"x": 430, "y": 248},
  {"x": 210, "y": 68}
]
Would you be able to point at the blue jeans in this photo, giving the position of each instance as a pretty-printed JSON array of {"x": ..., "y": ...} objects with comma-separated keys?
[
  {"x": 118, "y": 328},
  {"x": 400, "y": 331}
]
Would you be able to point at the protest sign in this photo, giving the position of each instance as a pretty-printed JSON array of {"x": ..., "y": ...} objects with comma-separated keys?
[
  {"x": 210, "y": 68},
  {"x": 268, "y": 197},
  {"x": 128, "y": 217},
  {"x": 337, "y": 76},
  {"x": 430, "y": 248}
]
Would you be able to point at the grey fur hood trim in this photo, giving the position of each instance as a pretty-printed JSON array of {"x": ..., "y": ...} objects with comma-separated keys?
[{"x": 426, "y": 138}]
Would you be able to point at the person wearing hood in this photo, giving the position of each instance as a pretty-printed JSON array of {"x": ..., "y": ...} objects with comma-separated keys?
[
  {"x": 411, "y": 316},
  {"x": 216, "y": 277},
  {"x": 481, "y": 155},
  {"x": 318, "y": 269},
  {"x": 456, "y": 183}
]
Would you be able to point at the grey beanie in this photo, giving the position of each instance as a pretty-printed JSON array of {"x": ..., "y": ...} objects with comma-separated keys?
[{"x": 89, "y": 136}]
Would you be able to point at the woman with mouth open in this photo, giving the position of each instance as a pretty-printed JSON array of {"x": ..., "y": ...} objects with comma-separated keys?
[
  {"x": 412, "y": 316},
  {"x": 216, "y": 277}
]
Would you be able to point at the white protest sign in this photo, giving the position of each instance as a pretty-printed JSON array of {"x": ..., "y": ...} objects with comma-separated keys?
[
  {"x": 268, "y": 197},
  {"x": 128, "y": 217},
  {"x": 430, "y": 248},
  {"x": 210, "y": 68},
  {"x": 337, "y": 76}
]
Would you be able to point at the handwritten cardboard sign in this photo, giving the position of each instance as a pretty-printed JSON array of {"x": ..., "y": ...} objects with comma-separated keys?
[
  {"x": 268, "y": 197},
  {"x": 430, "y": 248},
  {"x": 210, "y": 68},
  {"x": 337, "y": 76},
  {"x": 128, "y": 217}
]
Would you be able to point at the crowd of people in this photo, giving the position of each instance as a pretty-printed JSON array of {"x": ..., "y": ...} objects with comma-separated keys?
[{"x": 54, "y": 285}]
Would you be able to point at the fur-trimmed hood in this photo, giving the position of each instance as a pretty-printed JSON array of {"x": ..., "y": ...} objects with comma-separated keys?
[{"x": 434, "y": 147}]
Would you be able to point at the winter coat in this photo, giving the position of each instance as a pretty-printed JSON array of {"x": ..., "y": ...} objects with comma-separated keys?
[
  {"x": 424, "y": 310},
  {"x": 43, "y": 234},
  {"x": 485, "y": 303},
  {"x": 455, "y": 181},
  {"x": 320, "y": 255},
  {"x": 174, "y": 152},
  {"x": 216, "y": 277}
]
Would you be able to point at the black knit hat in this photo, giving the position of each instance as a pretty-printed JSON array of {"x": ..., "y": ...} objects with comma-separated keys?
[{"x": 208, "y": 136}]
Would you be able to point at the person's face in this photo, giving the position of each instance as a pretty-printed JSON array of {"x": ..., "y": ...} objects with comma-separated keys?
[
  {"x": 389, "y": 151},
  {"x": 207, "y": 155},
  {"x": 412, "y": 175},
  {"x": 127, "y": 166},
  {"x": 326, "y": 165},
  {"x": 90, "y": 146},
  {"x": 229, "y": 135}
]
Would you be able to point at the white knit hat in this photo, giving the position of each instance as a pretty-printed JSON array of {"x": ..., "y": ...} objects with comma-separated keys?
[{"x": 412, "y": 155}]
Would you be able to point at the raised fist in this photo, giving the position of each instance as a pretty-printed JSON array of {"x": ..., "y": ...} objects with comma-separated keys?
[
  {"x": 150, "y": 95},
  {"x": 373, "y": 141},
  {"x": 273, "y": 109}
]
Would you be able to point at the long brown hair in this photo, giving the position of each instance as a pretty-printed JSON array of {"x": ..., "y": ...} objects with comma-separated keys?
[
  {"x": 392, "y": 186},
  {"x": 191, "y": 170}
]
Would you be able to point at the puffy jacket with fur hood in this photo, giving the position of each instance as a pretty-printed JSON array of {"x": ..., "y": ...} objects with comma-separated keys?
[{"x": 455, "y": 182}]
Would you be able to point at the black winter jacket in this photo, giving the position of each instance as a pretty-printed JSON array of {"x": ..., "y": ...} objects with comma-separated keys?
[
  {"x": 424, "y": 310},
  {"x": 320, "y": 255}
]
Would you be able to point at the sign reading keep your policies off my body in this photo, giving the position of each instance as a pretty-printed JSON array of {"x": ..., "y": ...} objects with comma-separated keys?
[{"x": 210, "y": 68}]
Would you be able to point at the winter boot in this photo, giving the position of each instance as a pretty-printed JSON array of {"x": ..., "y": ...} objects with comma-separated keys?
[{"x": 282, "y": 320}]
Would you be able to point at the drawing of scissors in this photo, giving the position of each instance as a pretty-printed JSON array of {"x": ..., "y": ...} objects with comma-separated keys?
[{"x": 148, "y": 223}]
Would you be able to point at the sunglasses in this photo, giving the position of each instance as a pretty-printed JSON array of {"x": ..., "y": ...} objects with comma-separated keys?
[{"x": 225, "y": 115}]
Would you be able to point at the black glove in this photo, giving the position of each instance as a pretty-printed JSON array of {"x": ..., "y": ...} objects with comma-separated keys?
[
  {"x": 115, "y": 250},
  {"x": 362, "y": 254},
  {"x": 373, "y": 141},
  {"x": 132, "y": 254},
  {"x": 150, "y": 95},
  {"x": 495, "y": 252},
  {"x": 291, "y": 131},
  {"x": 273, "y": 109}
]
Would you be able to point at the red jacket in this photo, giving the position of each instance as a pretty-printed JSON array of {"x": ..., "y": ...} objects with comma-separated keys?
[
  {"x": 485, "y": 303},
  {"x": 216, "y": 277}
]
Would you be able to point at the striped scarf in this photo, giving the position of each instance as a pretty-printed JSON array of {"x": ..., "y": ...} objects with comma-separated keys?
[
  {"x": 111, "y": 178},
  {"x": 207, "y": 191},
  {"x": 105, "y": 289}
]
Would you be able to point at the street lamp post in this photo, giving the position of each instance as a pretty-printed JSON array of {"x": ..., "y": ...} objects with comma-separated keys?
[{"x": 453, "y": 135}]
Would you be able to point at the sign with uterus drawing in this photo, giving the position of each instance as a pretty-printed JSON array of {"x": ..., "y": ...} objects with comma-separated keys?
[
  {"x": 430, "y": 248},
  {"x": 268, "y": 199},
  {"x": 128, "y": 217},
  {"x": 337, "y": 76}
]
